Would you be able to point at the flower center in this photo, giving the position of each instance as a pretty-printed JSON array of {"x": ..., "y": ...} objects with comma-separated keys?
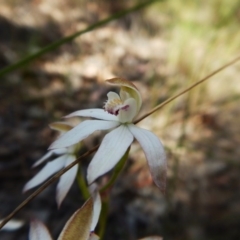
[{"x": 114, "y": 105}]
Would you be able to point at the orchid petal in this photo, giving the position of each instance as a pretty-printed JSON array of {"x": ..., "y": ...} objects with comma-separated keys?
[
  {"x": 38, "y": 231},
  {"x": 94, "y": 113},
  {"x": 112, "y": 148},
  {"x": 154, "y": 152},
  {"x": 43, "y": 158},
  {"x": 12, "y": 225},
  {"x": 49, "y": 169},
  {"x": 96, "y": 210},
  {"x": 97, "y": 205},
  {"x": 127, "y": 115},
  {"x": 66, "y": 180},
  {"x": 82, "y": 131},
  {"x": 48, "y": 155}
]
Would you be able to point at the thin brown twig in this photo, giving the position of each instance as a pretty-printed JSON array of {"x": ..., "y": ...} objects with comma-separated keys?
[
  {"x": 61, "y": 172},
  {"x": 186, "y": 90},
  {"x": 45, "y": 185}
]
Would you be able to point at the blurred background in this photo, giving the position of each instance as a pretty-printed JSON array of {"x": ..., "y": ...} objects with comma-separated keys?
[{"x": 163, "y": 49}]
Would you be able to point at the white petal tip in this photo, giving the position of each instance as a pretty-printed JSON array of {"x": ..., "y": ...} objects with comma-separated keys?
[
  {"x": 59, "y": 198},
  {"x": 162, "y": 181},
  {"x": 58, "y": 203},
  {"x": 25, "y": 189},
  {"x": 55, "y": 145},
  {"x": 67, "y": 116},
  {"x": 12, "y": 225},
  {"x": 51, "y": 147},
  {"x": 34, "y": 165}
]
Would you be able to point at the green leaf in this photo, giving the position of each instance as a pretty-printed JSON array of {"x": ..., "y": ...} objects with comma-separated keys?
[{"x": 78, "y": 226}]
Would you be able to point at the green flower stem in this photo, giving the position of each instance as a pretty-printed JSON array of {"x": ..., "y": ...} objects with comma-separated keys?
[
  {"x": 103, "y": 216},
  {"x": 82, "y": 184},
  {"x": 60, "y": 42},
  {"x": 116, "y": 171}
]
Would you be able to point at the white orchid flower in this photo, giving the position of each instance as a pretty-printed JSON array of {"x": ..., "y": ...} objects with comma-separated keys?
[
  {"x": 119, "y": 112},
  {"x": 65, "y": 157}
]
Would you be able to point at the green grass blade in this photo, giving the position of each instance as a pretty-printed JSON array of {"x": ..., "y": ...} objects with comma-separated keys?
[{"x": 60, "y": 42}]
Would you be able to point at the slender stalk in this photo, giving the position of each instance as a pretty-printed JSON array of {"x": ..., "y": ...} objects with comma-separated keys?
[
  {"x": 82, "y": 184},
  {"x": 188, "y": 89},
  {"x": 67, "y": 39},
  {"x": 103, "y": 216},
  {"x": 45, "y": 185}
]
